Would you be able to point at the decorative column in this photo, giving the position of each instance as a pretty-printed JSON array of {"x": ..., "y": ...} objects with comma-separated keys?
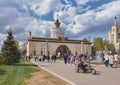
[
  {"x": 46, "y": 48},
  {"x": 82, "y": 50},
  {"x": 43, "y": 49},
  {"x": 41, "y": 52},
  {"x": 34, "y": 53}
]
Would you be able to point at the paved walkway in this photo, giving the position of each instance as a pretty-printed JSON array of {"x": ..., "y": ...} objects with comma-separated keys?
[{"x": 105, "y": 76}]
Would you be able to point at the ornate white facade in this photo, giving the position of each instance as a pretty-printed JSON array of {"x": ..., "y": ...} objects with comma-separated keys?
[
  {"x": 41, "y": 46},
  {"x": 57, "y": 32}
]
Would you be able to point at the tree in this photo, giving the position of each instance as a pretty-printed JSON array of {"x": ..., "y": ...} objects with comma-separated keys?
[
  {"x": 1, "y": 58},
  {"x": 85, "y": 39},
  {"x": 109, "y": 46},
  {"x": 103, "y": 45},
  {"x": 16, "y": 43},
  {"x": 98, "y": 44},
  {"x": 9, "y": 52}
]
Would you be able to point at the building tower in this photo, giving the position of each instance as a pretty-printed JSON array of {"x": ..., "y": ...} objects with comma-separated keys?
[
  {"x": 114, "y": 35},
  {"x": 57, "y": 32}
]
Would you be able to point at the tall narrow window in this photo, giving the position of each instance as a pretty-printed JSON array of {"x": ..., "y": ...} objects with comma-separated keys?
[{"x": 112, "y": 38}]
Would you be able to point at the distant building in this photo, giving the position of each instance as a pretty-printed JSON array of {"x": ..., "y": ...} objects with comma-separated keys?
[
  {"x": 57, "y": 44},
  {"x": 114, "y": 35}
]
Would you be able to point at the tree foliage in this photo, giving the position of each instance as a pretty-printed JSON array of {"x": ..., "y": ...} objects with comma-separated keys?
[
  {"x": 9, "y": 52},
  {"x": 98, "y": 44},
  {"x": 85, "y": 39},
  {"x": 103, "y": 45},
  {"x": 16, "y": 43},
  {"x": 109, "y": 46}
]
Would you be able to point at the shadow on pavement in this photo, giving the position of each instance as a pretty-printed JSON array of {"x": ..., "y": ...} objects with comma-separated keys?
[{"x": 97, "y": 73}]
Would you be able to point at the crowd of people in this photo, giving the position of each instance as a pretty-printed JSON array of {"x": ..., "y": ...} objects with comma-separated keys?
[
  {"x": 43, "y": 58},
  {"x": 110, "y": 59},
  {"x": 71, "y": 59},
  {"x": 68, "y": 59}
]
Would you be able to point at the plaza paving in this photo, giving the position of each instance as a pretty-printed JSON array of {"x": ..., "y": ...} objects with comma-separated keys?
[{"x": 104, "y": 76}]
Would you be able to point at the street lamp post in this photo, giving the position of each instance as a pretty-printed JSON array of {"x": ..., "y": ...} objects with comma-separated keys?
[{"x": 92, "y": 49}]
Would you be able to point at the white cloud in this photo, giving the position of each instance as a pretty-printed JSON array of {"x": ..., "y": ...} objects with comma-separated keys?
[
  {"x": 80, "y": 9},
  {"x": 84, "y": 2},
  {"x": 46, "y": 6},
  {"x": 20, "y": 14},
  {"x": 68, "y": 2},
  {"x": 75, "y": 28},
  {"x": 96, "y": 19},
  {"x": 108, "y": 10},
  {"x": 67, "y": 14},
  {"x": 39, "y": 28}
]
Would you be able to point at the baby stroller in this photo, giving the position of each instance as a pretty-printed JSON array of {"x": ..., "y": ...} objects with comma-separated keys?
[{"x": 84, "y": 67}]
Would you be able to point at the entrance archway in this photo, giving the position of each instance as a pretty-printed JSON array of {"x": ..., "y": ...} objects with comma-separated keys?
[{"x": 62, "y": 50}]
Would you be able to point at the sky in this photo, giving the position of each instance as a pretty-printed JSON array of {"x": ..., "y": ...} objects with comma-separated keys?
[{"x": 79, "y": 18}]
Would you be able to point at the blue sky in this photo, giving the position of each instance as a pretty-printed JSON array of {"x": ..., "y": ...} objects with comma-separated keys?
[{"x": 79, "y": 18}]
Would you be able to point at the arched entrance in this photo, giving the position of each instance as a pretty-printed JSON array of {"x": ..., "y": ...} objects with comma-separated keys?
[{"x": 62, "y": 50}]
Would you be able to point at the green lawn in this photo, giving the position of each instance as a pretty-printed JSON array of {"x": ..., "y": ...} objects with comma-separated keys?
[{"x": 16, "y": 74}]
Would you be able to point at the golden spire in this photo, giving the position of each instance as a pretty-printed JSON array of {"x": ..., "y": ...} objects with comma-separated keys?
[
  {"x": 115, "y": 21},
  {"x": 57, "y": 23}
]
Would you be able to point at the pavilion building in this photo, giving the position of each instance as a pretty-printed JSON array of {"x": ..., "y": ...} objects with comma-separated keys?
[{"x": 56, "y": 44}]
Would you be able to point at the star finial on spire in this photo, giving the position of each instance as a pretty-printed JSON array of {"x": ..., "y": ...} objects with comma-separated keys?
[{"x": 57, "y": 23}]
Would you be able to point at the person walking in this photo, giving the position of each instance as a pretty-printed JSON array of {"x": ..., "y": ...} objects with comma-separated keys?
[
  {"x": 65, "y": 58},
  {"x": 111, "y": 60},
  {"x": 77, "y": 61},
  {"x": 68, "y": 59},
  {"x": 116, "y": 59},
  {"x": 51, "y": 57},
  {"x": 106, "y": 59},
  {"x": 48, "y": 58},
  {"x": 102, "y": 57},
  {"x": 72, "y": 59},
  {"x": 54, "y": 58}
]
